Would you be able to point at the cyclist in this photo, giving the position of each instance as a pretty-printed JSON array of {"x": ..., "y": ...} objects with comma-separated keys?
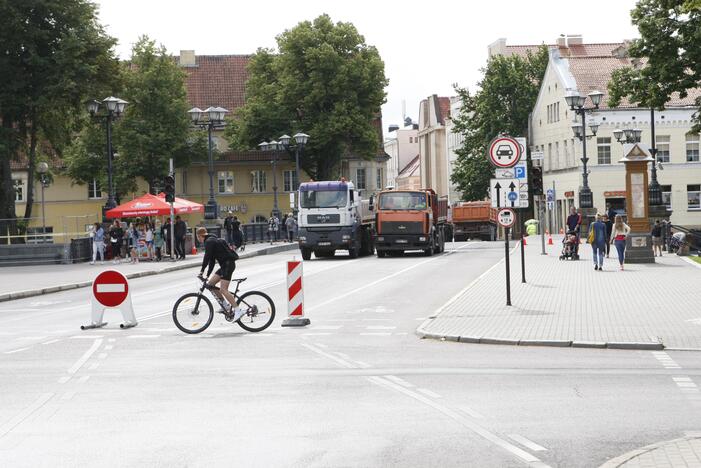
[{"x": 217, "y": 250}]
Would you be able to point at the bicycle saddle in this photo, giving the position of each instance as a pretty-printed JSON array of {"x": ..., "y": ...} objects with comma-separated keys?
[{"x": 239, "y": 280}]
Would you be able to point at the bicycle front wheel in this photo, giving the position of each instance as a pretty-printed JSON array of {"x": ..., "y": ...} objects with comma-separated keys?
[
  {"x": 260, "y": 311},
  {"x": 193, "y": 313}
]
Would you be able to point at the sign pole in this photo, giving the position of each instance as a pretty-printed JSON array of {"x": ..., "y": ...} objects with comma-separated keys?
[
  {"x": 171, "y": 231},
  {"x": 508, "y": 267},
  {"x": 542, "y": 227},
  {"x": 523, "y": 255}
]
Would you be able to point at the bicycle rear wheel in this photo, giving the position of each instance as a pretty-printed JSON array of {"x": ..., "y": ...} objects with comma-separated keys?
[
  {"x": 260, "y": 311},
  {"x": 193, "y": 313}
]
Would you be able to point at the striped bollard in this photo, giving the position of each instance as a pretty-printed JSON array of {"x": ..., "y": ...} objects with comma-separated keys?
[{"x": 295, "y": 296}]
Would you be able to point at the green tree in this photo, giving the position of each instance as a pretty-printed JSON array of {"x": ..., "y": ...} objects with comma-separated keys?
[
  {"x": 54, "y": 51},
  {"x": 325, "y": 81},
  {"x": 669, "y": 49},
  {"x": 507, "y": 94}
]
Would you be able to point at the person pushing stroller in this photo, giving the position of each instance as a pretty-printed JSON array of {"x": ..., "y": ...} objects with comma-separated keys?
[{"x": 569, "y": 246}]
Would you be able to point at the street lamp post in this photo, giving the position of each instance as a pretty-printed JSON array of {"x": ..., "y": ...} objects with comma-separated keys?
[
  {"x": 273, "y": 146},
  {"x": 576, "y": 103},
  {"x": 211, "y": 118},
  {"x": 42, "y": 169},
  {"x": 114, "y": 107},
  {"x": 301, "y": 140},
  {"x": 654, "y": 190}
]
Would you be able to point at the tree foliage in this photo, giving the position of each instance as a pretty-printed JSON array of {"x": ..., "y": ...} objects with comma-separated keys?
[
  {"x": 670, "y": 51},
  {"x": 54, "y": 52},
  {"x": 324, "y": 81},
  {"x": 506, "y": 96}
]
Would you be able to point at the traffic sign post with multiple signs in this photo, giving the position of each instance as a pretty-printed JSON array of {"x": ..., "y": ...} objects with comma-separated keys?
[{"x": 509, "y": 190}]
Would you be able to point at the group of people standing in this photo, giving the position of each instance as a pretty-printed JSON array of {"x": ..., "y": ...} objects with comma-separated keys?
[
  {"x": 288, "y": 225},
  {"x": 140, "y": 238},
  {"x": 608, "y": 228}
]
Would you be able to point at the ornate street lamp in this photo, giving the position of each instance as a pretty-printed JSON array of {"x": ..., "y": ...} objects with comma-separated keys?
[
  {"x": 576, "y": 103},
  {"x": 273, "y": 146},
  {"x": 43, "y": 169},
  {"x": 113, "y": 108},
  {"x": 212, "y": 118}
]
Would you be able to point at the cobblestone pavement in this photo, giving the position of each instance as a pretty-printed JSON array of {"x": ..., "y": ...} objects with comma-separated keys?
[
  {"x": 568, "y": 303},
  {"x": 685, "y": 452}
]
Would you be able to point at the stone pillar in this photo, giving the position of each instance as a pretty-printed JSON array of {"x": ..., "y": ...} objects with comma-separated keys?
[{"x": 639, "y": 242}]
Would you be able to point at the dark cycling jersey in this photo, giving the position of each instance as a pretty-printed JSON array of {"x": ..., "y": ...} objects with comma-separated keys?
[{"x": 217, "y": 250}]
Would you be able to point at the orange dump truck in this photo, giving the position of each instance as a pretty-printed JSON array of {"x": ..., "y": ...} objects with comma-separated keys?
[
  {"x": 475, "y": 220},
  {"x": 410, "y": 220}
]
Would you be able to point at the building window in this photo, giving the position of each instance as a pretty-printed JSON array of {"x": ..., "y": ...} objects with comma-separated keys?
[
  {"x": 379, "y": 182},
  {"x": 667, "y": 195},
  {"x": 226, "y": 181},
  {"x": 258, "y": 181},
  {"x": 289, "y": 181},
  {"x": 603, "y": 150},
  {"x": 360, "y": 178},
  {"x": 19, "y": 189},
  {"x": 693, "y": 196},
  {"x": 662, "y": 144},
  {"x": 94, "y": 189},
  {"x": 692, "y": 147}
]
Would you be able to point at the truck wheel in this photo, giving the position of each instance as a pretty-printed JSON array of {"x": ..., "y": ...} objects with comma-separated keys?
[
  {"x": 441, "y": 242},
  {"x": 381, "y": 253},
  {"x": 306, "y": 253},
  {"x": 430, "y": 250},
  {"x": 353, "y": 252}
]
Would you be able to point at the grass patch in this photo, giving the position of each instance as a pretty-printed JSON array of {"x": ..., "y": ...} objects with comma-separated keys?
[{"x": 695, "y": 258}]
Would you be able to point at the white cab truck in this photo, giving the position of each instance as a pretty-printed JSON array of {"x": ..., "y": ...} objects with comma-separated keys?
[{"x": 332, "y": 216}]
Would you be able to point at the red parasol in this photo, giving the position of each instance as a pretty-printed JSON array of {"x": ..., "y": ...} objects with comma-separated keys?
[{"x": 152, "y": 205}]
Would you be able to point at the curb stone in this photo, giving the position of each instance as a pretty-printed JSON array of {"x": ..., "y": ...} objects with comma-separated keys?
[
  {"x": 626, "y": 457},
  {"x": 633, "y": 345},
  {"x": 589, "y": 344},
  {"x": 65, "y": 287},
  {"x": 553, "y": 343}
]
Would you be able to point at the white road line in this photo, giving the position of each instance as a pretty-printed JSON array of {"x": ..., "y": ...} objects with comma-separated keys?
[
  {"x": 379, "y": 327},
  {"x": 428, "y": 392},
  {"x": 85, "y": 357},
  {"x": 64, "y": 379},
  {"x": 376, "y": 334},
  {"x": 363, "y": 365},
  {"x": 686, "y": 385},
  {"x": 16, "y": 350},
  {"x": 109, "y": 347},
  {"x": 399, "y": 381},
  {"x": 343, "y": 356},
  {"x": 68, "y": 396},
  {"x": 529, "y": 444},
  {"x": 51, "y": 341},
  {"x": 477, "y": 429},
  {"x": 142, "y": 336},
  {"x": 321, "y": 345},
  {"x": 470, "y": 412},
  {"x": 681, "y": 379},
  {"x": 21, "y": 416},
  {"x": 401, "y": 334},
  {"x": 83, "y": 379},
  {"x": 112, "y": 340},
  {"x": 337, "y": 360},
  {"x": 102, "y": 356}
]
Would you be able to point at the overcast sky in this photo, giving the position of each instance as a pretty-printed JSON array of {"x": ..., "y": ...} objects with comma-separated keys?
[{"x": 426, "y": 46}]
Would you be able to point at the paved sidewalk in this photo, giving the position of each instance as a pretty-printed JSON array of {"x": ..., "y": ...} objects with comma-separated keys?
[
  {"x": 684, "y": 452},
  {"x": 567, "y": 303},
  {"x": 26, "y": 281}
]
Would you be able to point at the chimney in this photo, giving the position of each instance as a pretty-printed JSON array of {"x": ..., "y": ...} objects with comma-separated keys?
[
  {"x": 561, "y": 41},
  {"x": 187, "y": 58}
]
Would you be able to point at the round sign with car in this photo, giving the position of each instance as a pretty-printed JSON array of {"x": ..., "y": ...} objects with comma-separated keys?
[
  {"x": 504, "y": 152},
  {"x": 506, "y": 217}
]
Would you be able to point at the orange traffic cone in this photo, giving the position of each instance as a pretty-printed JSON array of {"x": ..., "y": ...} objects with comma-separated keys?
[
  {"x": 194, "y": 250},
  {"x": 550, "y": 240}
]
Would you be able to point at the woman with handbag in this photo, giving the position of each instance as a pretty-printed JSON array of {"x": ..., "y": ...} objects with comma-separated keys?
[
  {"x": 618, "y": 238},
  {"x": 597, "y": 239}
]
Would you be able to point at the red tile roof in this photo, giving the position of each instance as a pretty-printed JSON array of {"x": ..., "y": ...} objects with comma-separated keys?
[{"x": 217, "y": 80}]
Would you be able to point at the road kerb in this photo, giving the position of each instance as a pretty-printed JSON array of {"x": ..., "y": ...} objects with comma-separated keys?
[
  {"x": 626, "y": 457},
  {"x": 65, "y": 287},
  {"x": 469, "y": 339},
  {"x": 553, "y": 343},
  {"x": 499, "y": 341},
  {"x": 634, "y": 345},
  {"x": 589, "y": 344}
]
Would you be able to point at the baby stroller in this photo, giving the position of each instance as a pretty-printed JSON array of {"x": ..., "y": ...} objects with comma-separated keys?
[{"x": 569, "y": 246}]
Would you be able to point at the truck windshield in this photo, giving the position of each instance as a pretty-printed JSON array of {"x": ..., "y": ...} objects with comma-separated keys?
[
  {"x": 324, "y": 199},
  {"x": 403, "y": 201}
]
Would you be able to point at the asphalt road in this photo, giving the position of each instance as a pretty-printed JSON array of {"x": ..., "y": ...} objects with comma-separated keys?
[{"x": 356, "y": 388}]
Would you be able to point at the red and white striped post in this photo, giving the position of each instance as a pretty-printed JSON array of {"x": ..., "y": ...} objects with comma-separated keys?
[{"x": 295, "y": 296}]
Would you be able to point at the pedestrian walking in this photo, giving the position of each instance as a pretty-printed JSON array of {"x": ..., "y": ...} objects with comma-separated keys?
[
  {"x": 271, "y": 229},
  {"x": 148, "y": 235},
  {"x": 98, "y": 243},
  {"x": 158, "y": 240},
  {"x": 574, "y": 224},
  {"x": 229, "y": 227},
  {"x": 135, "y": 236},
  {"x": 116, "y": 236},
  {"x": 166, "y": 232},
  {"x": 608, "y": 222},
  {"x": 276, "y": 226},
  {"x": 236, "y": 234},
  {"x": 656, "y": 233},
  {"x": 598, "y": 240},
  {"x": 618, "y": 238},
  {"x": 290, "y": 227},
  {"x": 179, "y": 230}
]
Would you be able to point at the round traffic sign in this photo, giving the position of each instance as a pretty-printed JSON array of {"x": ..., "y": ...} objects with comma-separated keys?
[
  {"x": 504, "y": 152},
  {"x": 506, "y": 217},
  {"x": 110, "y": 288},
  {"x": 513, "y": 196}
]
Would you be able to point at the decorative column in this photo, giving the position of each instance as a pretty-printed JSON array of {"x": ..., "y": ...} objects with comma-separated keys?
[{"x": 639, "y": 242}]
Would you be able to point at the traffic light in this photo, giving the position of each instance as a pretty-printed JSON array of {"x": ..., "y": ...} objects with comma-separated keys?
[
  {"x": 537, "y": 180},
  {"x": 169, "y": 188}
]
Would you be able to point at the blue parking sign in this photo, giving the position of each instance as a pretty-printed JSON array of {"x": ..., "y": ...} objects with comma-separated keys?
[{"x": 520, "y": 172}]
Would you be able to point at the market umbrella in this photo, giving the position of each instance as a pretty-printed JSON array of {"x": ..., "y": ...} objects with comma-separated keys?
[{"x": 152, "y": 205}]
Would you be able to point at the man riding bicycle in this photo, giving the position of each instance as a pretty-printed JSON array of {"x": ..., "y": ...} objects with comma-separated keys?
[{"x": 217, "y": 250}]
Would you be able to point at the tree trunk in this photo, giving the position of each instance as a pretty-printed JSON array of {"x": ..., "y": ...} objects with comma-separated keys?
[{"x": 31, "y": 167}]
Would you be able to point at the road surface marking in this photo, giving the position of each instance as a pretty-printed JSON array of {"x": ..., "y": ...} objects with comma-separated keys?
[
  {"x": 94, "y": 366},
  {"x": 470, "y": 412},
  {"x": 68, "y": 395},
  {"x": 379, "y": 327},
  {"x": 16, "y": 350},
  {"x": 321, "y": 345},
  {"x": 102, "y": 356},
  {"x": 529, "y": 444},
  {"x": 143, "y": 336},
  {"x": 51, "y": 341},
  {"x": 343, "y": 356},
  {"x": 399, "y": 381},
  {"x": 401, "y": 334},
  {"x": 112, "y": 340},
  {"x": 686, "y": 385},
  {"x": 363, "y": 365},
  {"x": 64, "y": 379},
  {"x": 83, "y": 379},
  {"x": 428, "y": 392},
  {"x": 79, "y": 363},
  {"x": 329, "y": 356},
  {"x": 681, "y": 379},
  {"x": 109, "y": 347},
  {"x": 376, "y": 334},
  {"x": 17, "y": 419},
  {"x": 477, "y": 429}
]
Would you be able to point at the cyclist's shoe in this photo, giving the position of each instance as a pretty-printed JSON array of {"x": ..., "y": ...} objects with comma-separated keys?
[{"x": 238, "y": 312}]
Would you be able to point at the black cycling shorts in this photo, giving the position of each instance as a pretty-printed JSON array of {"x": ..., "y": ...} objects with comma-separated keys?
[{"x": 226, "y": 270}]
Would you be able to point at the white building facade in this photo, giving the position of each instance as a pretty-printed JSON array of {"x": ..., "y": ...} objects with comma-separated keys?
[
  {"x": 454, "y": 141},
  {"x": 402, "y": 146}
]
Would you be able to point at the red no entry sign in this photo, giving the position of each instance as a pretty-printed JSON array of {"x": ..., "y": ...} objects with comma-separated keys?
[{"x": 110, "y": 288}]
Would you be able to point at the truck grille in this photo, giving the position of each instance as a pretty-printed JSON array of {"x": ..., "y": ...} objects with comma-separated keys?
[
  {"x": 323, "y": 218},
  {"x": 401, "y": 227}
]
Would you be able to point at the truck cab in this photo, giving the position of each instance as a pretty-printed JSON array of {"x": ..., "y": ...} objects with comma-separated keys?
[{"x": 332, "y": 216}]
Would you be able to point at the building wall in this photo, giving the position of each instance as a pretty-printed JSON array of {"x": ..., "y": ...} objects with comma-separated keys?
[
  {"x": 371, "y": 168},
  {"x": 402, "y": 146},
  {"x": 454, "y": 141},
  {"x": 432, "y": 149}
]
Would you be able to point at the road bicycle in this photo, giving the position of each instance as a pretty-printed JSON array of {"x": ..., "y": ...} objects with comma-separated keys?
[{"x": 193, "y": 312}]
